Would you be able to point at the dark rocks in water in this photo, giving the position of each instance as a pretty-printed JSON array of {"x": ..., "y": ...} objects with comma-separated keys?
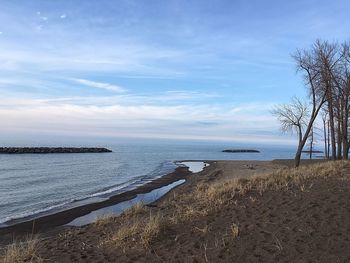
[
  {"x": 240, "y": 151},
  {"x": 22, "y": 150}
]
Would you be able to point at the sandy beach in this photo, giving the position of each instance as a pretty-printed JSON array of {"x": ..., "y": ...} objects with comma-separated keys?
[{"x": 233, "y": 211}]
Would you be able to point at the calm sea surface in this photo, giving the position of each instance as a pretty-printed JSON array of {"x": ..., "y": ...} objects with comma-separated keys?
[{"x": 37, "y": 183}]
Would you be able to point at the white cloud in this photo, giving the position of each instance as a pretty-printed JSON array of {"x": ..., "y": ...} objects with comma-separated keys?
[
  {"x": 100, "y": 85},
  {"x": 41, "y": 17},
  {"x": 185, "y": 94},
  {"x": 129, "y": 99},
  {"x": 63, "y": 16},
  {"x": 136, "y": 120}
]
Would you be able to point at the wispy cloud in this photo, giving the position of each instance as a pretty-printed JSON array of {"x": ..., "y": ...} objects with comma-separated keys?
[
  {"x": 100, "y": 85},
  {"x": 178, "y": 121},
  {"x": 160, "y": 99}
]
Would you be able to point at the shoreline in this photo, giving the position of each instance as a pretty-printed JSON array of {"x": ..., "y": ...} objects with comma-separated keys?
[
  {"x": 256, "y": 211},
  {"x": 99, "y": 197},
  {"x": 61, "y": 218}
]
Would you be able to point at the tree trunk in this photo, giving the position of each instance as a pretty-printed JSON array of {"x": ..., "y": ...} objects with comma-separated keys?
[
  {"x": 328, "y": 139},
  {"x": 332, "y": 128},
  {"x": 345, "y": 149},
  {"x": 345, "y": 132},
  {"x": 311, "y": 142},
  {"x": 325, "y": 138},
  {"x": 300, "y": 147},
  {"x": 339, "y": 140},
  {"x": 298, "y": 157}
]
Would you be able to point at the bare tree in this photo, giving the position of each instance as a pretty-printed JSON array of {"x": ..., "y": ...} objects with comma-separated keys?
[
  {"x": 326, "y": 70},
  {"x": 343, "y": 80},
  {"x": 334, "y": 66},
  {"x": 325, "y": 57},
  {"x": 308, "y": 63},
  {"x": 293, "y": 117}
]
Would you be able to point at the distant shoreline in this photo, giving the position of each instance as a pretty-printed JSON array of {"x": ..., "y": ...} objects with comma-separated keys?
[
  {"x": 240, "y": 151},
  {"x": 307, "y": 151}
]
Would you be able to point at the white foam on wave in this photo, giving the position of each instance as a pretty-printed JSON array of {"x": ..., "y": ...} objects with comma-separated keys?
[
  {"x": 194, "y": 167},
  {"x": 92, "y": 198},
  {"x": 87, "y": 199}
]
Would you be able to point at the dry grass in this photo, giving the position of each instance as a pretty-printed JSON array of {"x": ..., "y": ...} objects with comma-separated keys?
[
  {"x": 105, "y": 219},
  {"x": 208, "y": 197},
  {"x": 135, "y": 210},
  {"x": 139, "y": 231},
  {"x": 152, "y": 228},
  {"x": 22, "y": 251},
  {"x": 217, "y": 194},
  {"x": 187, "y": 211},
  {"x": 234, "y": 230},
  {"x": 203, "y": 230}
]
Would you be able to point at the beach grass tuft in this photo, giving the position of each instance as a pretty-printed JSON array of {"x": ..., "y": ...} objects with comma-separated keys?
[
  {"x": 104, "y": 219},
  {"x": 139, "y": 231},
  {"x": 135, "y": 210},
  {"x": 22, "y": 251},
  {"x": 234, "y": 230}
]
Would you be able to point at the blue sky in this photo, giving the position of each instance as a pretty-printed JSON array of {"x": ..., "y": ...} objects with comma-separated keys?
[{"x": 156, "y": 69}]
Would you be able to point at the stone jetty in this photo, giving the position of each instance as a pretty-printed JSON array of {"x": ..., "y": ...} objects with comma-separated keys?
[{"x": 42, "y": 150}]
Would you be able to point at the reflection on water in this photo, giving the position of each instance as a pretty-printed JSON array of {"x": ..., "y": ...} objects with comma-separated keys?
[
  {"x": 194, "y": 167},
  {"x": 119, "y": 208}
]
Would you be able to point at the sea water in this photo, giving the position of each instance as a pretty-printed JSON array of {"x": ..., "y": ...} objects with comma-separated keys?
[{"x": 37, "y": 184}]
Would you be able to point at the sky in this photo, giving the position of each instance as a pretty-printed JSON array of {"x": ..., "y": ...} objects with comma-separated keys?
[{"x": 176, "y": 69}]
